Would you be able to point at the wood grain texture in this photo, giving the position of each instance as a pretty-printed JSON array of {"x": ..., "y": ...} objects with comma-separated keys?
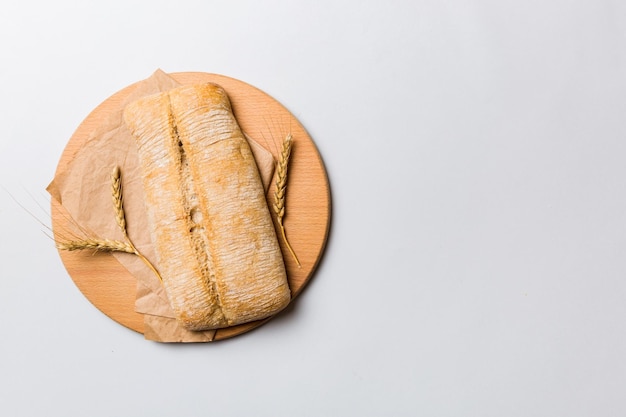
[{"x": 111, "y": 288}]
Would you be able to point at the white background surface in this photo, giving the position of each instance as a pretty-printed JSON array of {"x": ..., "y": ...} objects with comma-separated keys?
[{"x": 476, "y": 261}]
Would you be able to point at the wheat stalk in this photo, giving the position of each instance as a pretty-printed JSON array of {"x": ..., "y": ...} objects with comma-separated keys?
[
  {"x": 281, "y": 189},
  {"x": 107, "y": 245},
  {"x": 120, "y": 216}
]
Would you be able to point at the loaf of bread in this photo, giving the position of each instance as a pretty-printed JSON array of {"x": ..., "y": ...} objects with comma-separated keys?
[{"x": 216, "y": 246}]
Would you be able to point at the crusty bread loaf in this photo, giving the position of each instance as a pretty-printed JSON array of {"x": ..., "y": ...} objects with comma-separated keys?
[{"x": 215, "y": 242}]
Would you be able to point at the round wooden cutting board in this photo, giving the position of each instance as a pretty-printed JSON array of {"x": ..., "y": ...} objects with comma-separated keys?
[{"x": 112, "y": 289}]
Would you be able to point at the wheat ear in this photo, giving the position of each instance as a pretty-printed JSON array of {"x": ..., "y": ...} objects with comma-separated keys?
[
  {"x": 120, "y": 216},
  {"x": 99, "y": 245},
  {"x": 281, "y": 189},
  {"x": 116, "y": 194}
]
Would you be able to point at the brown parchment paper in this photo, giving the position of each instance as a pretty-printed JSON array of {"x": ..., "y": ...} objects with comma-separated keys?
[{"x": 83, "y": 188}]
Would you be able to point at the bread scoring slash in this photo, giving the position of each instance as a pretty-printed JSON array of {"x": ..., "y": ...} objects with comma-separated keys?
[{"x": 216, "y": 246}]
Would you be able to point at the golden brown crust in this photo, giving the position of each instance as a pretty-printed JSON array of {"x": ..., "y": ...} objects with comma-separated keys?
[{"x": 215, "y": 241}]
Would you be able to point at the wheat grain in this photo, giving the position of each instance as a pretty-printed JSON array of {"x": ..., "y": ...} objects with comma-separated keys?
[{"x": 281, "y": 190}]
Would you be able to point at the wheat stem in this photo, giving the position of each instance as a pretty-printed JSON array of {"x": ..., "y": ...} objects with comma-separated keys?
[
  {"x": 148, "y": 264},
  {"x": 281, "y": 189}
]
